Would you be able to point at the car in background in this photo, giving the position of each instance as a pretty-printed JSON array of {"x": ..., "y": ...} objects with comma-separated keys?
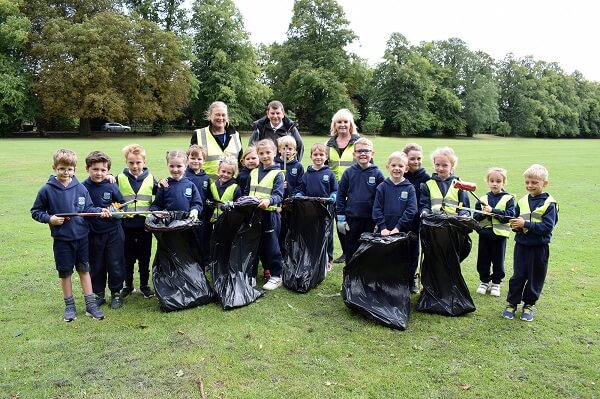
[{"x": 115, "y": 127}]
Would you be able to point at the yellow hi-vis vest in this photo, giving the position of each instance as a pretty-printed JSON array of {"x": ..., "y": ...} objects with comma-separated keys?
[
  {"x": 215, "y": 153},
  {"x": 339, "y": 164},
  {"x": 536, "y": 215},
  {"x": 227, "y": 196},
  {"x": 143, "y": 196},
  {"x": 500, "y": 229},
  {"x": 436, "y": 198},
  {"x": 264, "y": 188}
]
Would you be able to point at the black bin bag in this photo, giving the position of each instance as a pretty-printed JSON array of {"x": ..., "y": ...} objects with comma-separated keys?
[
  {"x": 309, "y": 226},
  {"x": 234, "y": 250},
  {"x": 377, "y": 279},
  {"x": 445, "y": 243},
  {"x": 177, "y": 274}
]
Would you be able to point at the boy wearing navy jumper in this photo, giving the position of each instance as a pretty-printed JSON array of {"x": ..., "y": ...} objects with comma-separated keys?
[
  {"x": 356, "y": 194},
  {"x": 136, "y": 183},
  {"x": 64, "y": 194},
  {"x": 395, "y": 200},
  {"x": 537, "y": 214},
  {"x": 319, "y": 181},
  {"x": 266, "y": 183},
  {"x": 499, "y": 208},
  {"x": 106, "y": 235}
]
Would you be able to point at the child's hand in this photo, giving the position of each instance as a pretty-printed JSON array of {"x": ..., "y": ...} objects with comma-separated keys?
[
  {"x": 487, "y": 209},
  {"x": 111, "y": 179},
  {"x": 285, "y": 185},
  {"x": 105, "y": 213},
  {"x": 56, "y": 220},
  {"x": 394, "y": 231},
  {"x": 163, "y": 183},
  {"x": 264, "y": 203},
  {"x": 517, "y": 223},
  {"x": 385, "y": 232}
]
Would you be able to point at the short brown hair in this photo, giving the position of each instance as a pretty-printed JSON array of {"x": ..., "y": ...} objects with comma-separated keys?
[
  {"x": 275, "y": 105},
  {"x": 196, "y": 150},
  {"x": 64, "y": 157},
  {"x": 97, "y": 157},
  {"x": 318, "y": 147}
]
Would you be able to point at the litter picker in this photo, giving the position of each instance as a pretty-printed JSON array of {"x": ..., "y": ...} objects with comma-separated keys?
[
  {"x": 464, "y": 208},
  {"x": 467, "y": 186},
  {"x": 115, "y": 215}
]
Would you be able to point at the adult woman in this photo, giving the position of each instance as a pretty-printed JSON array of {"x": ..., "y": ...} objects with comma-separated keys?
[
  {"x": 219, "y": 138},
  {"x": 340, "y": 148}
]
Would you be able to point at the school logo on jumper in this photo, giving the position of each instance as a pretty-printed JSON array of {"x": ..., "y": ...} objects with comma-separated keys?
[
  {"x": 106, "y": 196},
  {"x": 81, "y": 201},
  {"x": 404, "y": 196},
  {"x": 371, "y": 180},
  {"x": 205, "y": 183},
  {"x": 188, "y": 192},
  {"x": 326, "y": 178},
  {"x": 294, "y": 171}
]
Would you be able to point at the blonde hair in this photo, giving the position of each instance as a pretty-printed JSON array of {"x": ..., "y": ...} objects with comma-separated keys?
[
  {"x": 445, "y": 152},
  {"x": 537, "y": 171},
  {"x": 64, "y": 157},
  {"x": 318, "y": 147},
  {"x": 364, "y": 141},
  {"x": 214, "y": 105},
  {"x": 247, "y": 151},
  {"x": 412, "y": 147},
  {"x": 286, "y": 141},
  {"x": 501, "y": 171},
  {"x": 343, "y": 113},
  {"x": 196, "y": 150},
  {"x": 228, "y": 161},
  {"x": 176, "y": 154},
  {"x": 398, "y": 155},
  {"x": 265, "y": 143},
  {"x": 135, "y": 149}
]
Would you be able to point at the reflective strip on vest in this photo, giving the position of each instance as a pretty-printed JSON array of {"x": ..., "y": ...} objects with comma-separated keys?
[
  {"x": 500, "y": 229},
  {"x": 339, "y": 164},
  {"x": 437, "y": 199},
  {"x": 537, "y": 214},
  {"x": 227, "y": 196},
  {"x": 214, "y": 151},
  {"x": 264, "y": 188},
  {"x": 143, "y": 196}
]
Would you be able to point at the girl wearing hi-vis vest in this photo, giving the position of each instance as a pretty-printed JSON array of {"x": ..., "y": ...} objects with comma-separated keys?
[
  {"x": 498, "y": 207},
  {"x": 225, "y": 189},
  {"x": 438, "y": 194}
]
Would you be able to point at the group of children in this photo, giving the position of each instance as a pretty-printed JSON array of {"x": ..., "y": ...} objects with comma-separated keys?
[{"x": 364, "y": 200}]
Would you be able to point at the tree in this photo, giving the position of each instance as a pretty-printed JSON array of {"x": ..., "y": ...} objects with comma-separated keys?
[
  {"x": 14, "y": 77},
  {"x": 110, "y": 66},
  {"x": 226, "y": 64},
  {"x": 170, "y": 15}
]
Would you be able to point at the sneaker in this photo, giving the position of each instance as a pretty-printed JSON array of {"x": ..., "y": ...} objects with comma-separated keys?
[
  {"x": 482, "y": 289},
  {"x": 94, "y": 312},
  {"x": 273, "y": 284},
  {"x": 100, "y": 300},
  {"x": 115, "y": 301},
  {"x": 527, "y": 314},
  {"x": 341, "y": 259},
  {"x": 126, "y": 291},
  {"x": 495, "y": 290},
  {"x": 147, "y": 291},
  {"x": 69, "y": 313},
  {"x": 509, "y": 312},
  {"x": 414, "y": 285}
]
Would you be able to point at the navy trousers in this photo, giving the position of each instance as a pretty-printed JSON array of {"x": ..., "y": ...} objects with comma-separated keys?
[
  {"x": 490, "y": 258},
  {"x": 357, "y": 227},
  {"x": 107, "y": 259},
  {"x": 530, "y": 267},
  {"x": 269, "y": 251},
  {"x": 138, "y": 246}
]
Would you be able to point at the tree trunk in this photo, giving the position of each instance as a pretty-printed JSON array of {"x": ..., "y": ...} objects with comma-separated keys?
[{"x": 84, "y": 127}]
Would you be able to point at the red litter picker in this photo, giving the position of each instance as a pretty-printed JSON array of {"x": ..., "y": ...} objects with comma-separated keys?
[{"x": 467, "y": 186}]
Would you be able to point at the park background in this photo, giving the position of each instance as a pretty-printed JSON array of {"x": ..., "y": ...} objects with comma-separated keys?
[{"x": 304, "y": 345}]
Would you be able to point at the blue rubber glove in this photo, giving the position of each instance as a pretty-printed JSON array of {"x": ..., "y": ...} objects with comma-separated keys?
[
  {"x": 342, "y": 226},
  {"x": 194, "y": 215},
  {"x": 299, "y": 195},
  {"x": 333, "y": 197}
]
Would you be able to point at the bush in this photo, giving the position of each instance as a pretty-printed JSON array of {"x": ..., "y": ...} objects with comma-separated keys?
[
  {"x": 503, "y": 129},
  {"x": 373, "y": 123}
]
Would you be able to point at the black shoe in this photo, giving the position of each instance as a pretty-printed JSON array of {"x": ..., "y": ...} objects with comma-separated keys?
[
  {"x": 126, "y": 291},
  {"x": 115, "y": 301},
  {"x": 147, "y": 291},
  {"x": 100, "y": 300},
  {"x": 341, "y": 259}
]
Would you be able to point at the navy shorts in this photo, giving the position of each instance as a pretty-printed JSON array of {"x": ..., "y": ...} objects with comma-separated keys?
[{"x": 69, "y": 254}]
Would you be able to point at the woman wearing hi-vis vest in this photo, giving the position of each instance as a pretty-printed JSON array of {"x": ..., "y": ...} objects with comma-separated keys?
[
  {"x": 340, "y": 149},
  {"x": 219, "y": 138}
]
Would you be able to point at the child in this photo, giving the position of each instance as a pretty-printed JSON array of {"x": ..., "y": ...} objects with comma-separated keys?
[
  {"x": 356, "y": 195},
  {"x": 438, "y": 194},
  {"x": 64, "y": 194},
  {"x": 224, "y": 189},
  {"x": 106, "y": 235},
  {"x": 416, "y": 175},
  {"x": 181, "y": 194},
  {"x": 293, "y": 171},
  {"x": 320, "y": 181},
  {"x": 395, "y": 200},
  {"x": 196, "y": 156},
  {"x": 137, "y": 184},
  {"x": 499, "y": 207},
  {"x": 537, "y": 213},
  {"x": 266, "y": 183},
  {"x": 249, "y": 162}
]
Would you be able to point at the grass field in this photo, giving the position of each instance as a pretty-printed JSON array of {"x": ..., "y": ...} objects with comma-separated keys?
[{"x": 304, "y": 345}]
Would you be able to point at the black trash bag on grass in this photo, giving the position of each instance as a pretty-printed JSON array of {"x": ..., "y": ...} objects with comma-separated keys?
[
  {"x": 377, "y": 279},
  {"x": 234, "y": 250},
  {"x": 177, "y": 274},
  {"x": 309, "y": 226},
  {"x": 445, "y": 243}
]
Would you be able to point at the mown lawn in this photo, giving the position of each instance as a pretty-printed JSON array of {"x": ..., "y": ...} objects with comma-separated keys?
[{"x": 304, "y": 345}]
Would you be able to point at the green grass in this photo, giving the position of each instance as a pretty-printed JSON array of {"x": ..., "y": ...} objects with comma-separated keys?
[{"x": 294, "y": 345}]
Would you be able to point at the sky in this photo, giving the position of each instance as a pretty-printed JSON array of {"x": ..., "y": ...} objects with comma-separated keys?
[{"x": 553, "y": 31}]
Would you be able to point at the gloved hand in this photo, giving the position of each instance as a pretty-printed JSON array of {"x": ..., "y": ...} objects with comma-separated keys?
[
  {"x": 299, "y": 195},
  {"x": 424, "y": 213},
  {"x": 194, "y": 215},
  {"x": 333, "y": 197},
  {"x": 342, "y": 225}
]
